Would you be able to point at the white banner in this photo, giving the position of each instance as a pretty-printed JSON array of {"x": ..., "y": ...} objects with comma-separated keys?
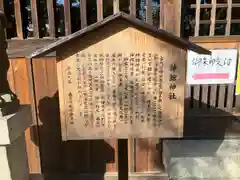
[{"x": 218, "y": 68}]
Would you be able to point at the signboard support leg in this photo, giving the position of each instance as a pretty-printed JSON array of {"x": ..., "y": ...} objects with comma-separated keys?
[{"x": 122, "y": 159}]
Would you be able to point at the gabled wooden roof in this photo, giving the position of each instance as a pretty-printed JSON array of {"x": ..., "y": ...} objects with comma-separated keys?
[{"x": 160, "y": 33}]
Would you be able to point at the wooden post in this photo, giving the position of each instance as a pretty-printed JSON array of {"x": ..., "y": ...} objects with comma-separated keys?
[{"x": 123, "y": 159}]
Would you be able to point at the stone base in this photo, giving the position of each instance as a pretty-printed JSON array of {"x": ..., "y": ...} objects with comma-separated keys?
[
  {"x": 13, "y": 160},
  {"x": 202, "y": 159},
  {"x": 13, "y": 154},
  {"x": 13, "y": 125}
]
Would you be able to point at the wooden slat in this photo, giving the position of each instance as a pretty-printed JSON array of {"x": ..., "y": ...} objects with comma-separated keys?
[
  {"x": 218, "y": 5},
  {"x": 46, "y": 94},
  {"x": 223, "y": 21},
  {"x": 67, "y": 17},
  {"x": 154, "y": 157},
  {"x": 142, "y": 149},
  {"x": 213, "y": 18},
  {"x": 229, "y": 17},
  {"x": 115, "y": 6},
  {"x": 216, "y": 39},
  {"x": 230, "y": 95},
  {"x": 133, "y": 8},
  {"x": 99, "y": 10},
  {"x": 132, "y": 154},
  {"x": 149, "y": 19},
  {"x": 111, "y": 166},
  {"x": 18, "y": 18},
  {"x": 213, "y": 96},
  {"x": 1, "y": 5},
  {"x": 204, "y": 96},
  {"x": 221, "y": 97},
  {"x": 188, "y": 97},
  {"x": 196, "y": 96},
  {"x": 51, "y": 17},
  {"x": 197, "y": 18},
  {"x": 34, "y": 13},
  {"x": 18, "y": 79},
  {"x": 83, "y": 12}
]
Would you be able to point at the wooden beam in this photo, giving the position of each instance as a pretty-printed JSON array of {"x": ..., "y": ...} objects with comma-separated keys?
[
  {"x": 34, "y": 13},
  {"x": 18, "y": 18},
  {"x": 197, "y": 18},
  {"x": 99, "y": 10},
  {"x": 170, "y": 16},
  {"x": 67, "y": 17},
  {"x": 83, "y": 12},
  {"x": 218, "y": 5},
  {"x": 149, "y": 19},
  {"x": 23, "y": 48},
  {"x": 228, "y": 18},
  {"x": 216, "y": 39},
  {"x": 1, "y": 5},
  {"x": 51, "y": 17},
  {"x": 213, "y": 18},
  {"x": 133, "y": 8},
  {"x": 115, "y": 6}
]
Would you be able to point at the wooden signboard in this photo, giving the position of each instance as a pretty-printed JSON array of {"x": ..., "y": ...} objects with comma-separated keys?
[{"x": 120, "y": 78}]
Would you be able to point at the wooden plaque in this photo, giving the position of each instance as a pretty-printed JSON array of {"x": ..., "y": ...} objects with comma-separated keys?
[{"x": 120, "y": 82}]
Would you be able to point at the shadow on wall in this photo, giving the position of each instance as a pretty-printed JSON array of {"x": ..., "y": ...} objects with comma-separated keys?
[
  {"x": 59, "y": 157},
  {"x": 92, "y": 156}
]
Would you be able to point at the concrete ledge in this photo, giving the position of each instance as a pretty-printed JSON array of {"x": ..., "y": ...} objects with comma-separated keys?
[
  {"x": 13, "y": 160},
  {"x": 202, "y": 159},
  {"x": 12, "y": 126},
  {"x": 105, "y": 176}
]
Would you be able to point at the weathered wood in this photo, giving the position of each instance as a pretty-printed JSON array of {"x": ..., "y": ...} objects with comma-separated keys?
[
  {"x": 115, "y": 6},
  {"x": 18, "y": 78},
  {"x": 213, "y": 96},
  {"x": 114, "y": 127},
  {"x": 221, "y": 97},
  {"x": 197, "y": 18},
  {"x": 133, "y": 8},
  {"x": 1, "y": 5},
  {"x": 216, "y": 39},
  {"x": 218, "y": 5},
  {"x": 35, "y": 19},
  {"x": 149, "y": 12},
  {"x": 99, "y": 10},
  {"x": 170, "y": 11},
  {"x": 159, "y": 33},
  {"x": 228, "y": 18},
  {"x": 204, "y": 98},
  {"x": 51, "y": 17},
  {"x": 83, "y": 12},
  {"x": 22, "y": 48},
  {"x": 18, "y": 16},
  {"x": 213, "y": 18},
  {"x": 67, "y": 17}
]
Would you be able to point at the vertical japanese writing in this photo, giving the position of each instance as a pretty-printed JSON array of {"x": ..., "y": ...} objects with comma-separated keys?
[
  {"x": 172, "y": 82},
  {"x": 159, "y": 81},
  {"x": 102, "y": 88},
  {"x": 69, "y": 74},
  {"x": 97, "y": 91},
  {"x": 143, "y": 86},
  {"x": 70, "y": 108},
  {"x": 120, "y": 88},
  {"x": 79, "y": 74},
  {"x": 149, "y": 89},
  {"x": 125, "y": 92}
]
